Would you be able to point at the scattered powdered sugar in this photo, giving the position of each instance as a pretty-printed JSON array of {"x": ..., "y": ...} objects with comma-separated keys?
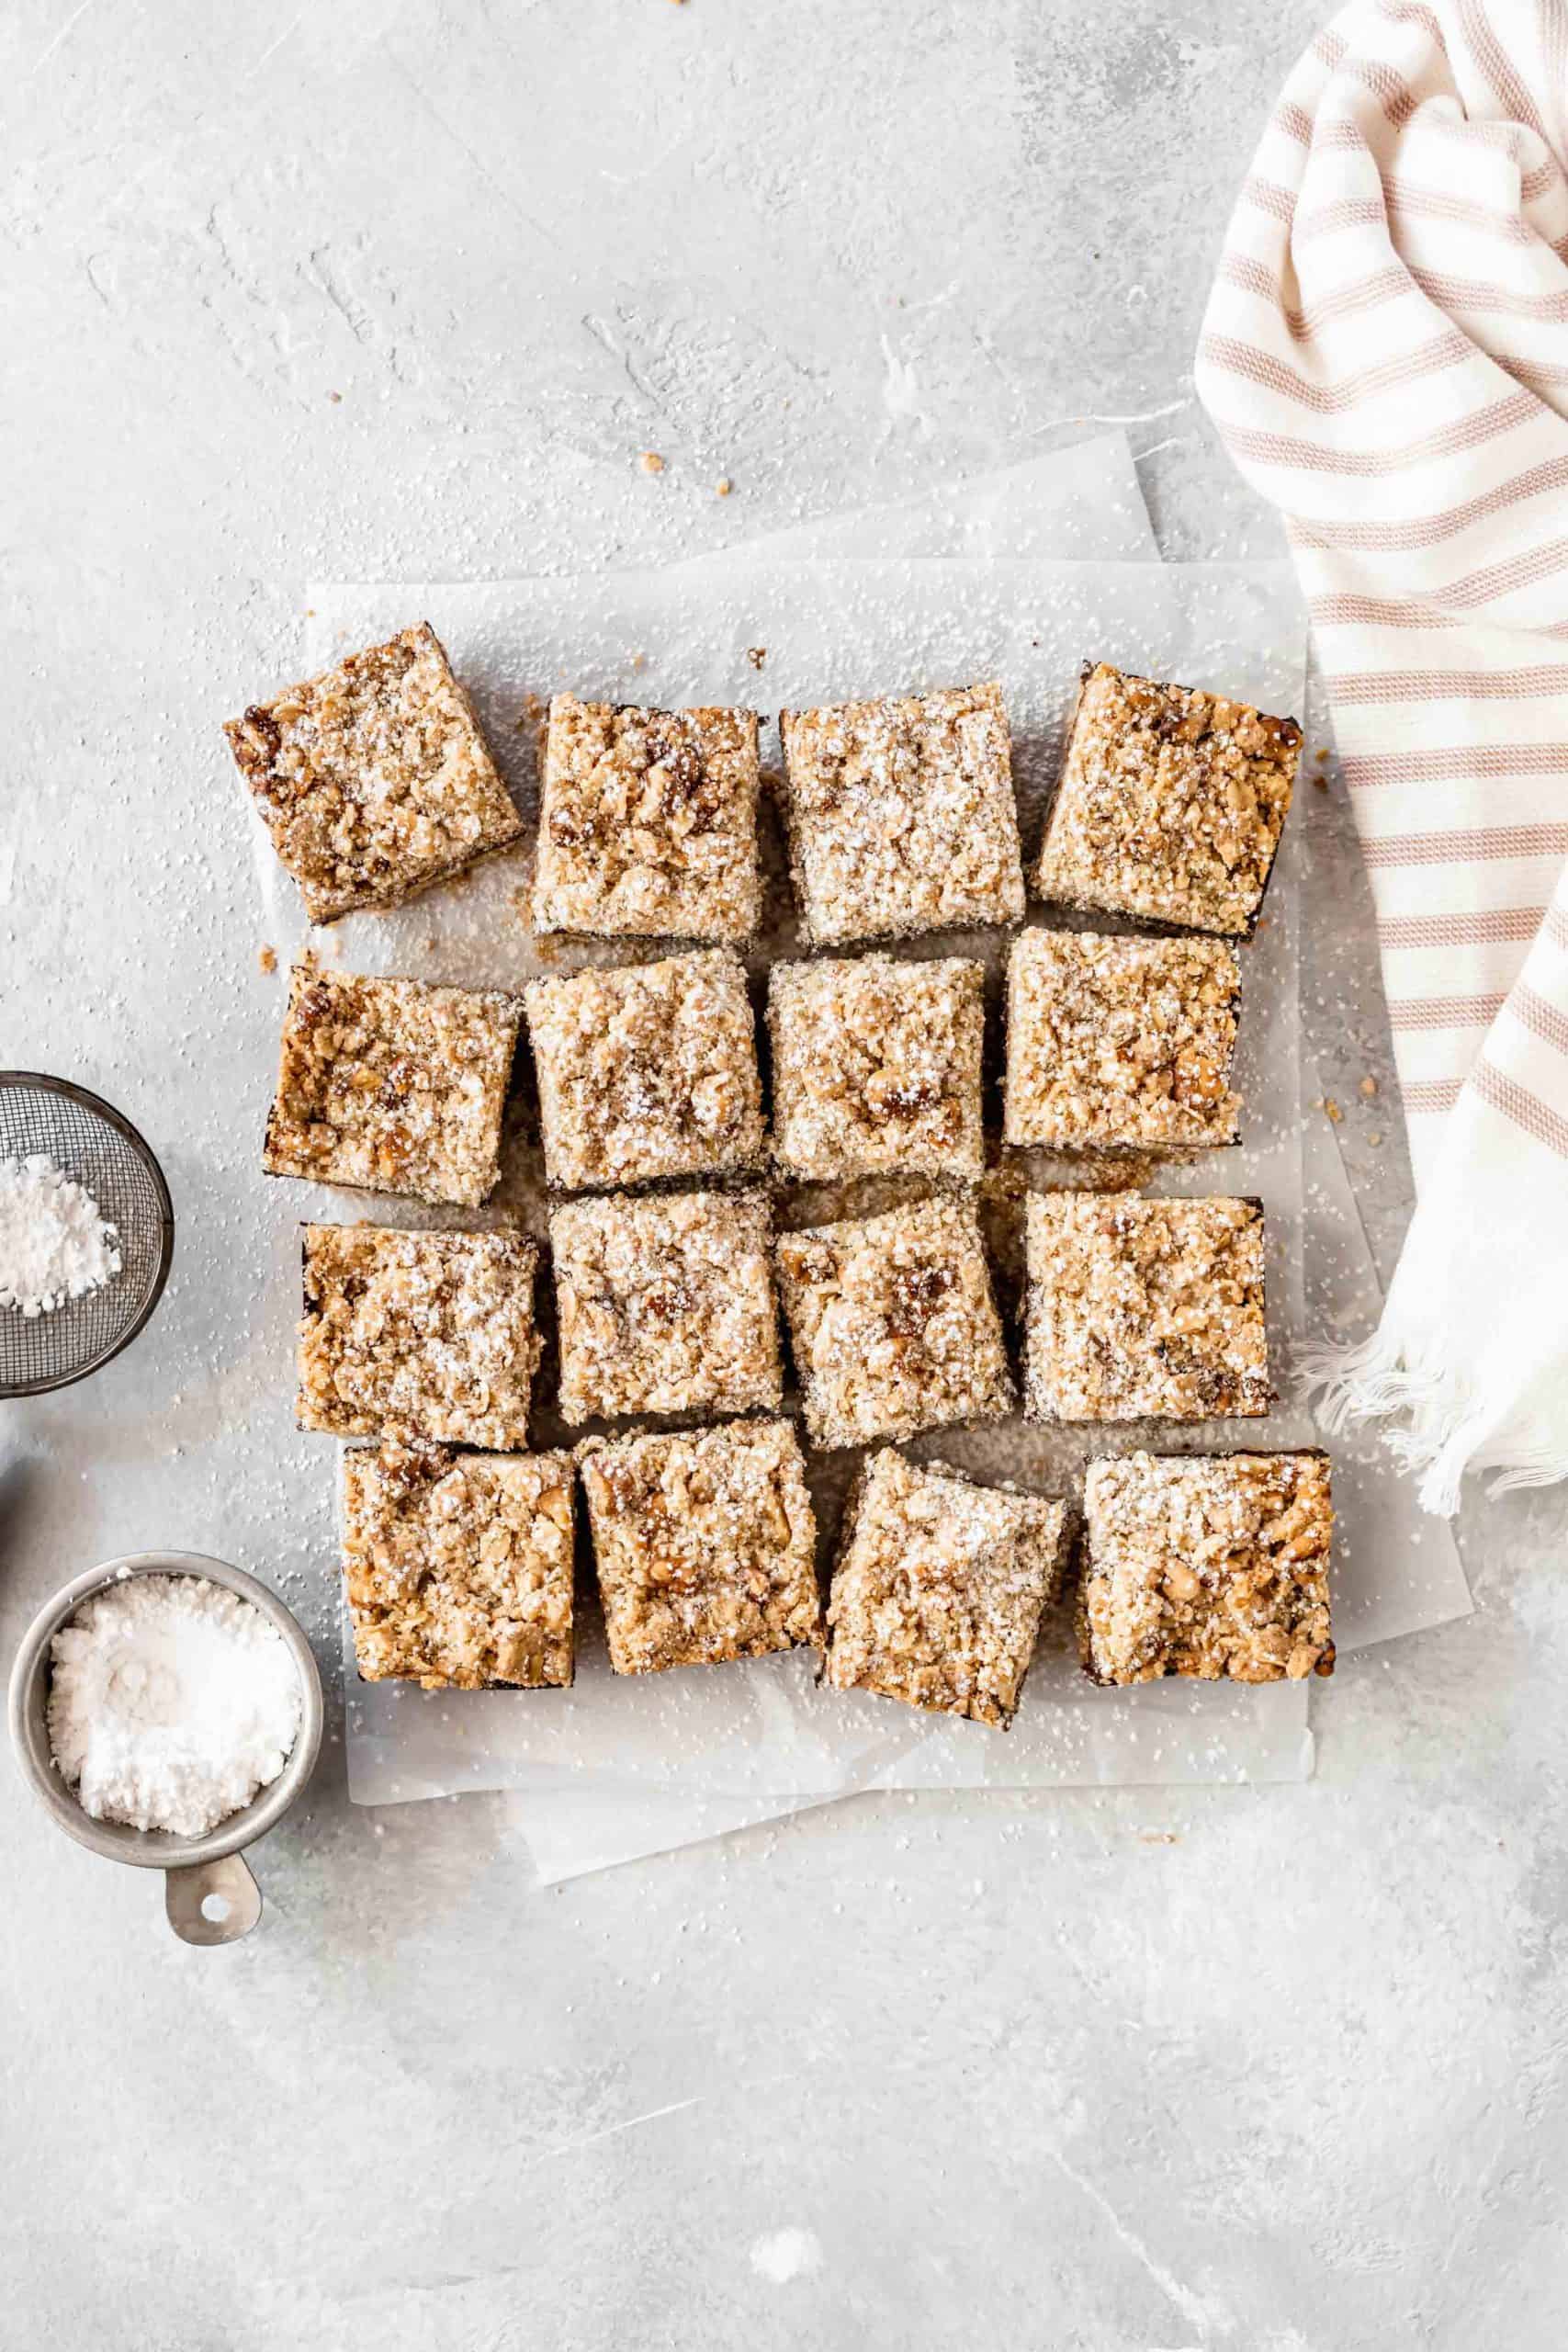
[
  {"x": 55, "y": 1242},
  {"x": 783, "y": 2255},
  {"x": 173, "y": 1701}
]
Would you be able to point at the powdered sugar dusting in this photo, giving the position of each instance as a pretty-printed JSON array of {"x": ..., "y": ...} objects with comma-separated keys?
[{"x": 55, "y": 1242}]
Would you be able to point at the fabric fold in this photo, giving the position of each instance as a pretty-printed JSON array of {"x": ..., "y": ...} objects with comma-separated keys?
[{"x": 1384, "y": 354}]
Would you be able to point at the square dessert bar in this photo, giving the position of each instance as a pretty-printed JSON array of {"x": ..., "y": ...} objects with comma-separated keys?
[
  {"x": 373, "y": 779},
  {"x": 704, "y": 1544},
  {"x": 666, "y": 1305},
  {"x": 901, "y": 815},
  {"x": 940, "y": 1588},
  {"x": 1121, "y": 1044},
  {"x": 892, "y": 1324},
  {"x": 1214, "y": 1565},
  {"x": 876, "y": 1067},
  {"x": 459, "y": 1565},
  {"x": 418, "y": 1335},
  {"x": 648, "y": 1071},
  {"x": 647, "y": 823},
  {"x": 391, "y": 1086},
  {"x": 1169, "y": 807},
  {"x": 1141, "y": 1308}
]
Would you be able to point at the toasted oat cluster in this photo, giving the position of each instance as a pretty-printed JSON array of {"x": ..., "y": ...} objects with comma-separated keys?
[
  {"x": 892, "y": 1324},
  {"x": 876, "y": 1067},
  {"x": 648, "y": 1071},
  {"x": 1116, "y": 1043},
  {"x": 373, "y": 779},
  {"x": 901, "y": 815},
  {"x": 647, "y": 823},
  {"x": 459, "y": 1565},
  {"x": 704, "y": 1544},
  {"x": 940, "y": 1588},
  {"x": 1170, "y": 805},
  {"x": 666, "y": 1305},
  {"x": 1214, "y": 1566},
  {"x": 418, "y": 1335},
  {"x": 391, "y": 1086},
  {"x": 1145, "y": 1308}
]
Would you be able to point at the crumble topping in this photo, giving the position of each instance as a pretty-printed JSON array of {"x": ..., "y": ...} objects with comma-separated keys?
[
  {"x": 901, "y": 815},
  {"x": 1120, "y": 1042},
  {"x": 876, "y": 1067},
  {"x": 892, "y": 1324},
  {"x": 940, "y": 1588},
  {"x": 647, "y": 823},
  {"x": 704, "y": 1544},
  {"x": 1170, "y": 805},
  {"x": 373, "y": 779},
  {"x": 647, "y": 1070},
  {"x": 459, "y": 1565},
  {"x": 1216, "y": 1565},
  {"x": 418, "y": 1335},
  {"x": 1141, "y": 1307},
  {"x": 666, "y": 1305},
  {"x": 393, "y": 1086}
]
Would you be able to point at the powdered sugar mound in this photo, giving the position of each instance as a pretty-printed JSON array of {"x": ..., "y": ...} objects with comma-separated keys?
[
  {"x": 55, "y": 1242},
  {"x": 173, "y": 1702}
]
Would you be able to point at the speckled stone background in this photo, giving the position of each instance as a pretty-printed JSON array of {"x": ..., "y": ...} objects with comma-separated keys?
[{"x": 371, "y": 289}]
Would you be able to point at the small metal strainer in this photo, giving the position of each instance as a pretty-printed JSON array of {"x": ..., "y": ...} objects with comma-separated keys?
[{"x": 93, "y": 1143}]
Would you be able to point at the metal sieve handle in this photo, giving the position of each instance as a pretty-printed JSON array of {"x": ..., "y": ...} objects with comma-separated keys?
[{"x": 212, "y": 1903}]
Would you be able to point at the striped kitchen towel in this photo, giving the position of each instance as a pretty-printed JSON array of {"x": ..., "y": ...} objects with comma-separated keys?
[{"x": 1386, "y": 354}]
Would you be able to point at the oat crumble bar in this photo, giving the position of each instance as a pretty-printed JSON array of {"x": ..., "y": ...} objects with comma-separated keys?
[
  {"x": 1143, "y": 1309},
  {"x": 666, "y": 1305},
  {"x": 391, "y": 1086},
  {"x": 373, "y": 779},
  {"x": 876, "y": 1067},
  {"x": 418, "y": 1335},
  {"x": 459, "y": 1565},
  {"x": 892, "y": 1324},
  {"x": 1121, "y": 1044},
  {"x": 704, "y": 1544},
  {"x": 901, "y": 815},
  {"x": 1214, "y": 1566},
  {"x": 1170, "y": 805},
  {"x": 940, "y": 1588},
  {"x": 647, "y": 823},
  {"x": 648, "y": 1071}
]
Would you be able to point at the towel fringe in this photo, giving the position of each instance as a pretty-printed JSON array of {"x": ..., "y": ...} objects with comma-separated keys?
[{"x": 1448, "y": 1429}]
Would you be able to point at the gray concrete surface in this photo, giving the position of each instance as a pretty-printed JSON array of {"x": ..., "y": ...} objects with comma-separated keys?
[{"x": 369, "y": 287}]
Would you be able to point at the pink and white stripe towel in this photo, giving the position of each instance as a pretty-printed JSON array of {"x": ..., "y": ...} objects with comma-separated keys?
[{"x": 1385, "y": 354}]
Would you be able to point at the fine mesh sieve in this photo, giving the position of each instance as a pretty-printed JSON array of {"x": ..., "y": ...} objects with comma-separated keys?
[{"x": 102, "y": 1151}]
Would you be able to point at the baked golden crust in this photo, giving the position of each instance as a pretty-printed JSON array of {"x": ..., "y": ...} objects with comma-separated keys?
[
  {"x": 901, "y": 815},
  {"x": 940, "y": 1588},
  {"x": 666, "y": 1305},
  {"x": 647, "y": 823},
  {"x": 391, "y": 1086},
  {"x": 418, "y": 1335},
  {"x": 373, "y": 778},
  {"x": 648, "y": 1071},
  {"x": 1143, "y": 1309},
  {"x": 459, "y": 1565},
  {"x": 1170, "y": 805},
  {"x": 704, "y": 1544},
  {"x": 1212, "y": 1565},
  {"x": 1114, "y": 1044},
  {"x": 876, "y": 1067},
  {"x": 892, "y": 1324}
]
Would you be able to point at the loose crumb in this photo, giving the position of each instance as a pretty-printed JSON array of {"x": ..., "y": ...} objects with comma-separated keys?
[
  {"x": 652, "y": 463},
  {"x": 334, "y": 397},
  {"x": 1331, "y": 1109},
  {"x": 1369, "y": 1087},
  {"x": 756, "y": 655},
  {"x": 1375, "y": 1139},
  {"x": 724, "y": 487}
]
